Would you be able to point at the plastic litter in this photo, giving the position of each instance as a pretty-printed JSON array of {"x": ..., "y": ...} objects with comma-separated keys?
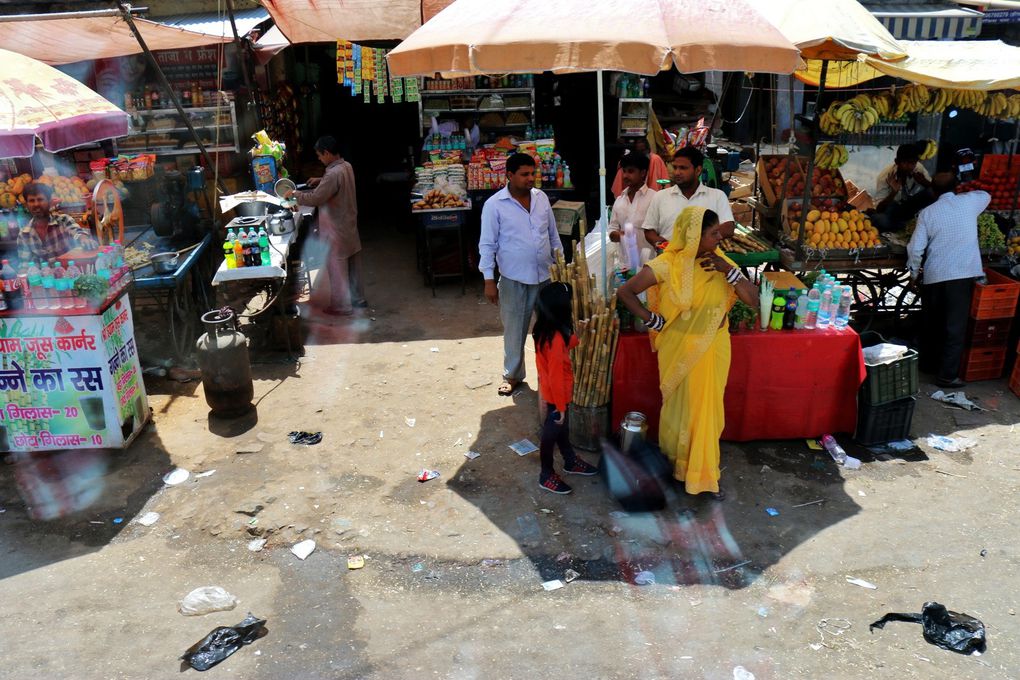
[
  {"x": 772, "y": 512},
  {"x": 741, "y": 673},
  {"x": 956, "y": 399},
  {"x": 223, "y": 641},
  {"x": 960, "y": 633},
  {"x": 176, "y": 476},
  {"x": 471, "y": 455},
  {"x": 644, "y": 578},
  {"x": 570, "y": 576},
  {"x": 553, "y": 585},
  {"x": 883, "y": 353},
  {"x": 426, "y": 475},
  {"x": 861, "y": 582},
  {"x": 118, "y": 520},
  {"x": 305, "y": 438},
  {"x": 950, "y": 444},
  {"x": 433, "y": 349},
  {"x": 256, "y": 544},
  {"x": 200, "y": 475},
  {"x": 205, "y": 600},
  {"x": 410, "y": 421},
  {"x": 523, "y": 447},
  {"x": 148, "y": 519},
  {"x": 303, "y": 549},
  {"x": 418, "y": 567}
]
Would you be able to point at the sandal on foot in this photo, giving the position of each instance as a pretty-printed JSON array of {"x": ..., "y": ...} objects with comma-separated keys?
[{"x": 507, "y": 387}]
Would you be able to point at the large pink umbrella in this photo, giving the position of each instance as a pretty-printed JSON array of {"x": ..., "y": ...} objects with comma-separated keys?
[{"x": 37, "y": 100}]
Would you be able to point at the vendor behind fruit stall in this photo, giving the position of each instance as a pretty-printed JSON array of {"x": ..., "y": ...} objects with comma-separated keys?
[
  {"x": 49, "y": 234},
  {"x": 904, "y": 189}
]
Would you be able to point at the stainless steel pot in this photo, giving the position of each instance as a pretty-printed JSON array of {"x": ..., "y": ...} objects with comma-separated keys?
[
  {"x": 281, "y": 222},
  {"x": 164, "y": 263},
  {"x": 252, "y": 208},
  {"x": 632, "y": 431}
]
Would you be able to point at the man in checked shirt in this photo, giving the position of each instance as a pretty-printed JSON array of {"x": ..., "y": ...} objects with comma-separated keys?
[
  {"x": 946, "y": 243},
  {"x": 49, "y": 234}
]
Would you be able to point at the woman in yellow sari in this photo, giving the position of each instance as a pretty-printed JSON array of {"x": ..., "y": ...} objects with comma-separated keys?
[{"x": 692, "y": 286}]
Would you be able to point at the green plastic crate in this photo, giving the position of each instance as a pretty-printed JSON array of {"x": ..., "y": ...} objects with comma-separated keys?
[{"x": 889, "y": 382}]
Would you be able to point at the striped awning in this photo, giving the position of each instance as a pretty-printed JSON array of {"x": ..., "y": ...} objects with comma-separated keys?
[{"x": 928, "y": 21}]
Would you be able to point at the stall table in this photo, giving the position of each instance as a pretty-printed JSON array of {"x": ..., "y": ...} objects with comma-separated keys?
[
  {"x": 70, "y": 378},
  {"x": 181, "y": 295},
  {"x": 782, "y": 384},
  {"x": 442, "y": 235}
]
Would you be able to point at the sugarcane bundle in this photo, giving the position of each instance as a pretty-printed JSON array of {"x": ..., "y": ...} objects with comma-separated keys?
[{"x": 596, "y": 327}]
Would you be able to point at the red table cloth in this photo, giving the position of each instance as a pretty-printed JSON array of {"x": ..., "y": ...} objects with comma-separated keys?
[{"x": 782, "y": 384}]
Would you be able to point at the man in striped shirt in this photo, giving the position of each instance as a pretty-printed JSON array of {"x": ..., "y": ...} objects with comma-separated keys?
[{"x": 945, "y": 243}]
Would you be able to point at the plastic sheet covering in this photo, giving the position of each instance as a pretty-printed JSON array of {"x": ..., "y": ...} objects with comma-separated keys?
[{"x": 965, "y": 65}]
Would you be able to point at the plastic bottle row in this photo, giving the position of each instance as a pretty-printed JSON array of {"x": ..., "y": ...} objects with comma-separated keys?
[
  {"x": 826, "y": 305},
  {"x": 246, "y": 249},
  {"x": 53, "y": 285}
]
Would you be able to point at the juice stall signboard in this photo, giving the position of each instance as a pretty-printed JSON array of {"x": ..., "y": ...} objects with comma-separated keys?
[{"x": 70, "y": 382}]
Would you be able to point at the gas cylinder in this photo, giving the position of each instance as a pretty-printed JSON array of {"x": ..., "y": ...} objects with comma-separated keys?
[{"x": 226, "y": 369}]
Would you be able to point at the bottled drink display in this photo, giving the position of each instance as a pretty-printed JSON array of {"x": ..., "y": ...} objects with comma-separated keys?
[
  {"x": 264, "y": 247},
  {"x": 825, "y": 308},
  {"x": 778, "y": 311},
  {"x": 843, "y": 309},
  {"x": 790, "y": 315},
  {"x": 814, "y": 301},
  {"x": 228, "y": 249},
  {"x": 800, "y": 317}
]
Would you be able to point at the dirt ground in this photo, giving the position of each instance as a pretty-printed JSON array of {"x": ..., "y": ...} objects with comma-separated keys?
[{"x": 452, "y": 586}]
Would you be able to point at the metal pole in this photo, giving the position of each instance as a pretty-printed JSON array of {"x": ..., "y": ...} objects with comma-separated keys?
[
  {"x": 84, "y": 14},
  {"x": 243, "y": 52},
  {"x": 603, "y": 222},
  {"x": 125, "y": 11},
  {"x": 806, "y": 204}
]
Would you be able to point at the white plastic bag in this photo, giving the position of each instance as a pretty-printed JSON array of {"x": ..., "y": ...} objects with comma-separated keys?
[{"x": 205, "y": 600}]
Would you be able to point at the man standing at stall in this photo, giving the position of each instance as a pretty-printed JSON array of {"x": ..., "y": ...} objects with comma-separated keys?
[
  {"x": 335, "y": 197},
  {"x": 687, "y": 190},
  {"x": 656, "y": 168},
  {"x": 49, "y": 234},
  {"x": 903, "y": 190},
  {"x": 943, "y": 252},
  {"x": 519, "y": 236},
  {"x": 632, "y": 205}
]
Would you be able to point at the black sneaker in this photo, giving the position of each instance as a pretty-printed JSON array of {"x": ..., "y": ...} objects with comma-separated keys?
[
  {"x": 553, "y": 484},
  {"x": 580, "y": 467},
  {"x": 955, "y": 383}
]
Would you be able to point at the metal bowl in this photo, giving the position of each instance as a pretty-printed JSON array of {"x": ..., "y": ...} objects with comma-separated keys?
[
  {"x": 252, "y": 208},
  {"x": 283, "y": 186},
  {"x": 164, "y": 263}
]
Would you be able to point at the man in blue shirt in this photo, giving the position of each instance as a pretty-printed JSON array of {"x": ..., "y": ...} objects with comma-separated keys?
[{"x": 519, "y": 237}]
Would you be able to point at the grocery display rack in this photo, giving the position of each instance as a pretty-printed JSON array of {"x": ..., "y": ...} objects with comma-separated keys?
[
  {"x": 515, "y": 102},
  {"x": 220, "y": 128}
]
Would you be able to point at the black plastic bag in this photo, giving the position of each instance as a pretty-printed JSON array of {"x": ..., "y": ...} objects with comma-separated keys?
[
  {"x": 306, "y": 438},
  {"x": 956, "y": 632},
  {"x": 222, "y": 642}
]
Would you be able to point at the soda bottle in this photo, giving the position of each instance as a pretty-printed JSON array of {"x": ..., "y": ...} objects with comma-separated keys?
[
  {"x": 843, "y": 310},
  {"x": 238, "y": 251},
  {"x": 11, "y": 290},
  {"x": 790, "y": 315},
  {"x": 253, "y": 243},
  {"x": 57, "y": 296},
  {"x": 228, "y": 249},
  {"x": 778, "y": 311},
  {"x": 825, "y": 308},
  {"x": 264, "y": 247},
  {"x": 800, "y": 317}
]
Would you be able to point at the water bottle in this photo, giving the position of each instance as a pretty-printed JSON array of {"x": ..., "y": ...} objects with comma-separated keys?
[
  {"x": 45, "y": 299},
  {"x": 834, "y": 449},
  {"x": 825, "y": 308},
  {"x": 800, "y": 316},
  {"x": 778, "y": 311},
  {"x": 118, "y": 250},
  {"x": 228, "y": 249},
  {"x": 59, "y": 279},
  {"x": 843, "y": 310},
  {"x": 790, "y": 315},
  {"x": 73, "y": 273},
  {"x": 264, "y": 247}
]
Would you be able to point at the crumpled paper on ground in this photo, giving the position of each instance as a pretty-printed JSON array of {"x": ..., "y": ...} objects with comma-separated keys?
[{"x": 950, "y": 444}]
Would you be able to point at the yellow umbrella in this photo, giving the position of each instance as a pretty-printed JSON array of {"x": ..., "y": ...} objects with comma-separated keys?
[{"x": 37, "y": 100}]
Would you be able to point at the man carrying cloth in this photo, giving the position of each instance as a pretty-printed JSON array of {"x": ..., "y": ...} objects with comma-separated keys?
[
  {"x": 49, "y": 234},
  {"x": 687, "y": 190},
  {"x": 519, "y": 236}
]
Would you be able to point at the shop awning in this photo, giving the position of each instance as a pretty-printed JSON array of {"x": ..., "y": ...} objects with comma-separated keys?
[
  {"x": 941, "y": 21},
  {"x": 66, "y": 40},
  {"x": 269, "y": 45},
  {"x": 833, "y": 30},
  {"x": 310, "y": 21},
  {"x": 218, "y": 23},
  {"x": 965, "y": 65}
]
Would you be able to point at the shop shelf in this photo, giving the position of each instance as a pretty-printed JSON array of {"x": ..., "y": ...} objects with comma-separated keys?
[
  {"x": 1014, "y": 379},
  {"x": 890, "y": 382},
  {"x": 884, "y": 423},
  {"x": 983, "y": 363},
  {"x": 995, "y": 299},
  {"x": 988, "y": 333}
]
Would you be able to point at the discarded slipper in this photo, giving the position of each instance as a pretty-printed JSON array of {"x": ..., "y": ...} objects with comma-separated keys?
[{"x": 306, "y": 438}]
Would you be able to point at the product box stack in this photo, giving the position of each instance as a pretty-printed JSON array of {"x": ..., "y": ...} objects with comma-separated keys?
[{"x": 991, "y": 315}]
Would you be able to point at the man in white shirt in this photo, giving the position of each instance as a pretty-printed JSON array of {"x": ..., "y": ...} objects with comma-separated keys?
[
  {"x": 946, "y": 242},
  {"x": 632, "y": 205},
  {"x": 687, "y": 190},
  {"x": 902, "y": 190}
]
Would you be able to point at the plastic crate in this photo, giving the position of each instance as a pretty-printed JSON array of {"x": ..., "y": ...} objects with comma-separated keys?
[
  {"x": 1014, "y": 379},
  {"x": 995, "y": 299},
  {"x": 983, "y": 363},
  {"x": 884, "y": 423},
  {"x": 988, "y": 333},
  {"x": 889, "y": 382}
]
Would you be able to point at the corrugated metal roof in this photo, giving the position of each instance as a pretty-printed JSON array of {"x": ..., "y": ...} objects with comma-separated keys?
[{"x": 212, "y": 23}]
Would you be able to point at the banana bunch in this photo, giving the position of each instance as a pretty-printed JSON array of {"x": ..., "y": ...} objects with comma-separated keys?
[
  {"x": 828, "y": 123},
  {"x": 930, "y": 149},
  {"x": 884, "y": 103},
  {"x": 1012, "y": 107},
  {"x": 857, "y": 115},
  {"x": 993, "y": 106},
  {"x": 830, "y": 156},
  {"x": 911, "y": 99},
  {"x": 941, "y": 100},
  {"x": 967, "y": 99}
]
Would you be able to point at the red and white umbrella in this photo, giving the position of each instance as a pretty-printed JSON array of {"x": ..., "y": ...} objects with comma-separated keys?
[{"x": 37, "y": 100}]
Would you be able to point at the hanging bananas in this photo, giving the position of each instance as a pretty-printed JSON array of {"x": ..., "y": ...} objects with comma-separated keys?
[
  {"x": 913, "y": 98},
  {"x": 930, "y": 149},
  {"x": 828, "y": 123},
  {"x": 857, "y": 115},
  {"x": 830, "y": 156},
  {"x": 884, "y": 103},
  {"x": 1012, "y": 107}
]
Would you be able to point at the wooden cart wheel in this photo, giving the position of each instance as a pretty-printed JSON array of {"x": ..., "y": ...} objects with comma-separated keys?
[{"x": 107, "y": 212}]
